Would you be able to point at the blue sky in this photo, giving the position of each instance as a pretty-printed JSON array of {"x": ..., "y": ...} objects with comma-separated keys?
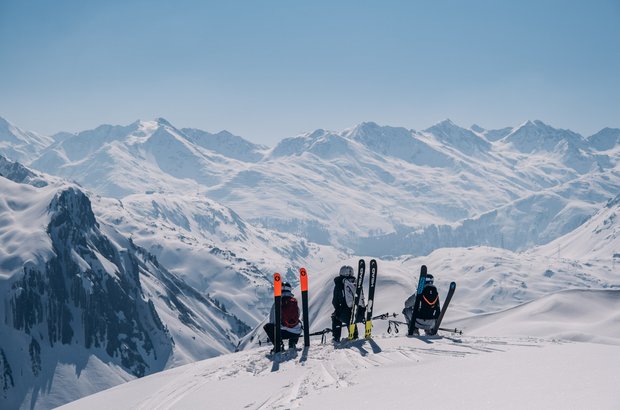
[{"x": 267, "y": 70}]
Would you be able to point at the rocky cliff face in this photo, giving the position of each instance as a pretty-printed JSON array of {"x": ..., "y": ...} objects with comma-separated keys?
[{"x": 95, "y": 298}]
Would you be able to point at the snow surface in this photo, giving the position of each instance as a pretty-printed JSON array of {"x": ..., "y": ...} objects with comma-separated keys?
[{"x": 469, "y": 372}]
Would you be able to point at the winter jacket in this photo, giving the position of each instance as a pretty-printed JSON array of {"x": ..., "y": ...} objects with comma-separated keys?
[
  {"x": 343, "y": 299},
  {"x": 272, "y": 316},
  {"x": 427, "y": 307}
]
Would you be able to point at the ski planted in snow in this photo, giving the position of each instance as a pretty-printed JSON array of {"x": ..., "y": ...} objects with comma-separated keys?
[
  {"x": 277, "y": 296},
  {"x": 303, "y": 280},
  {"x": 444, "y": 307},
  {"x": 421, "y": 283},
  {"x": 372, "y": 280},
  {"x": 361, "y": 270}
]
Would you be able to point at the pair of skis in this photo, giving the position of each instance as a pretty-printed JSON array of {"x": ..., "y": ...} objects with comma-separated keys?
[
  {"x": 361, "y": 270},
  {"x": 421, "y": 284},
  {"x": 277, "y": 295}
]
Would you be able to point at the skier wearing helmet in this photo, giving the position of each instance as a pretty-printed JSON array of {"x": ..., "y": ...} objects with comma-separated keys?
[{"x": 342, "y": 300}]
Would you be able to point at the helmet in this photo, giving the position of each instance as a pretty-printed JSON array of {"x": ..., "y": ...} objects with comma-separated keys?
[
  {"x": 346, "y": 270},
  {"x": 429, "y": 279},
  {"x": 286, "y": 287}
]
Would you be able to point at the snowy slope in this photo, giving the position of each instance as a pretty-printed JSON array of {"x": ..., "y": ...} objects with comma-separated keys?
[
  {"x": 18, "y": 144},
  {"x": 212, "y": 248},
  {"x": 143, "y": 156},
  {"x": 533, "y": 325},
  {"x": 482, "y": 369},
  {"x": 83, "y": 307}
]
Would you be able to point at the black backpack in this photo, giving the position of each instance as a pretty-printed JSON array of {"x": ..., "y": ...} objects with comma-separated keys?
[{"x": 428, "y": 307}]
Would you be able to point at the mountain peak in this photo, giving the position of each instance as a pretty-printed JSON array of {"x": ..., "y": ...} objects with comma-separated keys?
[
  {"x": 163, "y": 122},
  {"x": 458, "y": 137},
  {"x": 605, "y": 139},
  {"x": 477, "y": 128}
]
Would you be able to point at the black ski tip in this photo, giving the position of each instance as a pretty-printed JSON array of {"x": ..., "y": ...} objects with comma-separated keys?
[
  {"x": 452, "y": 285},
  {"x": 423, "y": 270}
]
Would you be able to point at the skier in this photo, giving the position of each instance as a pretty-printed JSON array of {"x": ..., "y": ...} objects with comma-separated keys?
[
  {"x": 427, "y": 308},
  {"x": 342, "y": 300},
  {"x": 290, "y": 326}
]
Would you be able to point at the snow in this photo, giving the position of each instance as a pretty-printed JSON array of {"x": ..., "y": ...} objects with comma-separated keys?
[
  {"x": 23, "y": 219},
  {"x": 389, "y": 372}
]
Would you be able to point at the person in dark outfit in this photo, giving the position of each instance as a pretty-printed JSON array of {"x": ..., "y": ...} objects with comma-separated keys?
[
  {"x": 342, "y": 300},
  {"x": 290, "y": 326},
  {"x": 427, "y": 307}
]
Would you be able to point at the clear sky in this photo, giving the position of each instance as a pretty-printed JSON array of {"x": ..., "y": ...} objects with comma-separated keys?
[{"x": 271, "y": 69}]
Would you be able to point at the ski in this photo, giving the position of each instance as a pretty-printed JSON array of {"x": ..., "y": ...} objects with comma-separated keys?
[
  {"x": 371, "y": 296},
  {"x": 277, "y": 296},
  {"x": 421, "y": 283},
  {"x": 303, "y": 280},
  {"x": 361, "y": 270},
  {"x": 444, "y": 307}
]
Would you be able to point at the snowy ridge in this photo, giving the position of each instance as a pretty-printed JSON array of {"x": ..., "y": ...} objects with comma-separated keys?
[
  {"x": 393, "y": 180},
  {"x": 94, "y": 309},
  {"x": 143, "y": 156},
  {"x": 532, "y": 220},
  {"x": 18, "y": 144},
  {"x": 212, "y": 248}
]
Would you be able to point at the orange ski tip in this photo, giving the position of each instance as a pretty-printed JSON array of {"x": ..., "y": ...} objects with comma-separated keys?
[
  {"x": 303, "y": 279},
  {"x": 277, "y": 285}
]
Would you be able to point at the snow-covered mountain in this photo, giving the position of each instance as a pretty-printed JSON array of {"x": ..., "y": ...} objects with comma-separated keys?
[
  {"x": 213, "y": 248},
  {"x": 227, "y": 144},
  {"x": 200, "y": 221},
  {"x": 18, "y": 144},
  {"x": 395, "y": 182},
  {"x": 83, "y": 308},
  {"x": 605, "y": 139},
  {"x": 143, "y": 156},
  {"x": 563, "y": 328}
]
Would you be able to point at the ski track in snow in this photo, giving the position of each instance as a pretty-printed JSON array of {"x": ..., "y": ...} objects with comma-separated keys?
[{"x": 326, "y": 367}]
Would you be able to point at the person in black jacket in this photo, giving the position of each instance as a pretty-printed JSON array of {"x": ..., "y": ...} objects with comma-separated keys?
[
  {"x": 342, "y": 300},
  {"x": 426, "y": 307}
]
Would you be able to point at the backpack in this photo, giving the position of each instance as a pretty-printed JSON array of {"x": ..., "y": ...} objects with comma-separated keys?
[
  {"x": 349, "y": 291},
  {"x": 290, "y": 312},
  {"x": 429, "y": 303}
]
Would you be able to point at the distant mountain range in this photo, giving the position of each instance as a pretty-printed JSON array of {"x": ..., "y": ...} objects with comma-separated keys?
[
  {"x": 125, "y": 250},
  {"x": 368, "y": 189}
]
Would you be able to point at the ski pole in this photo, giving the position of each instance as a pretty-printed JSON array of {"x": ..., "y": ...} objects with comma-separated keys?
[
  {"x": 321, "y": 332},
  {"x": 384, "y": 316},
  {"x": 394, "y": 323}
]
